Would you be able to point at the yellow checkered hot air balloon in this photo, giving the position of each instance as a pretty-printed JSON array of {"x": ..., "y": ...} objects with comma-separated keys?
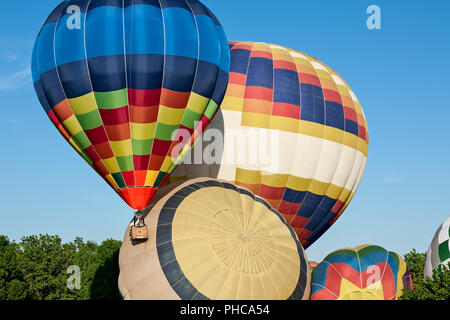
[{"x": 120, "y": 79}]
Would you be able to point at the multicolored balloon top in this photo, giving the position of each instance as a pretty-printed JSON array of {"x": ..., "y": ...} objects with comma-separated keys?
[
  {"x": 316, "y": 136},
  {"x": 124, "y": 80},
  {"x": 438, "y": 254},
  {"x": 366, "y": 272}
]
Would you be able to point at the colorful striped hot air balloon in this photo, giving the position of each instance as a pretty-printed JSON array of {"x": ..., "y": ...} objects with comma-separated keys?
[
  {"x": 365, "y": 272},
  {"x": 121, "y": 78},
  {"x": 438, "y": 254},
  {"x": 212, "y": 240},
  {"x": 310, "y": 138}
]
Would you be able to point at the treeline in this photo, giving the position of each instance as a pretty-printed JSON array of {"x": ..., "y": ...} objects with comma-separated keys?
[
  {"x": 437, "y": 288},
  {"x": 44, "y": 268}
]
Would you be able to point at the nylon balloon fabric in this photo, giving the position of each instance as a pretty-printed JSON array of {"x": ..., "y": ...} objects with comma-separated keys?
[
  {"x": 366, "y": 272},
  {"x": 438, "y": 253},
  {"x": 316, "y": 138},
  {"x": 211, "y": 240},
  {"x": 125, "y": 80}
]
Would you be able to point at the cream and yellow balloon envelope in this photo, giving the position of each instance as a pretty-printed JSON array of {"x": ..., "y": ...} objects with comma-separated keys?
[{"x": 209, "y": 239}]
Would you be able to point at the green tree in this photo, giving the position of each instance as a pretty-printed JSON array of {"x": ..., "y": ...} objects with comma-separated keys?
[
  {"x": 83, "y": 256},
  {"x": 17, "y": 290},
  {"x": 44, "y": 262},
  {"x": 436, "y": 288},
  {"x": 104, "y": 284},
  {"x": 99, "y": 267},
  {"x": 37, "y": 269},
  {"x": 11, "y": 276}
]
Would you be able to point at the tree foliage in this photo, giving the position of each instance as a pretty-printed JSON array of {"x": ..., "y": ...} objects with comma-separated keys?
[
  {"x": 37, "y": 269},
  {"x": 436, "y": 288}
]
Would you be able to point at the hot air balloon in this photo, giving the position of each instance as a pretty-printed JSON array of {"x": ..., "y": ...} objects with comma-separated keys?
[
  {"x": 120, "y": 78},
  {"x": 310, "y": 138},
  {"x": 438, "y": 254},
  {"x": 212, "y": 240},
  {"x": 366, "y": 272}
]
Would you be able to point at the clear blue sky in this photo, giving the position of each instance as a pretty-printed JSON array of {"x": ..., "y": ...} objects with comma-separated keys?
[{"x": 401, "y": 75}]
